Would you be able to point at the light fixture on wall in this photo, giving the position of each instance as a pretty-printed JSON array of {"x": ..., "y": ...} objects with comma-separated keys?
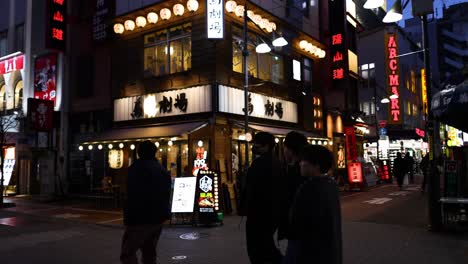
[
  {"x": 121, "y": 145},
  {"x": 385, "y": 100},
  {"x": 192, "y": 5},
  {"x": 80, "y": 148},
  {"x": 132, "y": 147},
  {"x": 280, "y": 41},
  {"x": 119, "y": 28},
  {"x": 165, "y": 14},
  {"x": 231, "y": 6},
  {"x": 152, "y": 17},
  {"x": 263, "y": 48},
  {"x": 178, "y": 9},
  {"x": 129, "y": 25},
  {"x": 239, "y": 11},
  {"x": 110, "y": 146},
  {"x": 371, "y": 4},
  {"x": 200, "y": 143},
  {"x": 140, "y": 21},
  {"x": 99, "y": 146},
  {"x": 394, "y": 96},
  {"x": 90, "y": 147},
  {"x": 395, "y": 13}
]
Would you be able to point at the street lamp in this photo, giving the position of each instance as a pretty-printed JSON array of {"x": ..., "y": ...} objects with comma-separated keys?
[
  {"x": 385, "y": 100},
  {"x": 395, "y": 14},
  {"x": 371, "y": 4}
]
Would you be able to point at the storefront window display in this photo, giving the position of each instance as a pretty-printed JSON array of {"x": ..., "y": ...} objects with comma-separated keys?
[
  {"x": 168, "y": 51},
  {"x": 19, "y": 94}
]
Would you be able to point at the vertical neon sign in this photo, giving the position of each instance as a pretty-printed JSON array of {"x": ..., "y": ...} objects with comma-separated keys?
[{"x": 393, "y": 78}]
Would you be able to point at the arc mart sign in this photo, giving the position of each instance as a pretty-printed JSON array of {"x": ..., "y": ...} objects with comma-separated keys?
[{"x": 393, "y": 78}]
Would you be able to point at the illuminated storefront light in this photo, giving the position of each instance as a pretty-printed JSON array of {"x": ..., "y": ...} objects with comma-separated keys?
[
  {"x": 165, "y": 14},
  {"x": 192, "y": 5},
  {"x": 140, "y": 21},
  {"x": 152, "y": 17},
  {"x": 178, "y": 9},
  {"x": 231, "y": 6},
  {"x": 119, "y": 28},
  {"x": 129, "y": 25}
]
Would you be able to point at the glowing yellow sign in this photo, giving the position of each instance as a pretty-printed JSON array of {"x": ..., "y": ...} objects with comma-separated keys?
[{"x": 424, "y": 90}]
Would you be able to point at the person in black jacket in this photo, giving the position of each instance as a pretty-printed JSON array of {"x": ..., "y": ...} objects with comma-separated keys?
[
  {"x": 147, "y": 206},
  {"x": 261, "y": 201},
  {"x": 293, "y": 145},
  {"x": 315, "y": 216},
  {"x": 399, "y": 170}
]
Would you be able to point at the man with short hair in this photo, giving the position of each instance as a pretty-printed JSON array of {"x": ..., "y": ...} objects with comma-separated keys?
[
  {"x": 315, "y": 216},
  {"x": 260, "y": 202},
  {"x": 147, "y": 206},
  {"x": 293, "y": 145}
]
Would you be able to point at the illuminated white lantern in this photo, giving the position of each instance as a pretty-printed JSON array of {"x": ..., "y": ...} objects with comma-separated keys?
[
  {"x": 178, "y": 9},
  {"x": 150, "y": 106},
  {"x": 323, "y": 54},
  {"x": 269, "y": 28},
  {"x": 80, "y": 148},
  {"x": 309, "y": 47},
  {"x": 152, "y": 17},
  {"x": 239, "y": 11},
  {"x": 90, "y": 147},
  {"x": 99, "y": 146},
  {"x": 200, "y": 143},
  {"x": 192, "y": 5},
  {"x": 170, "y": 143},
  {"x": 303, "y": 44},
  {"x": 156, "y": 144},
  {"x": 165, "y": 14},
  {"x": 313, "y": 50},
  {"x": 119, "y": 28},
  {"x": 116, "y": 158},
  {"x": 257, "y": 19},
  {"x": 132, "y": 147},
  {"x": 110, "y": 146},
  {"x": 129, "y": 25},
  {"x": 121, "y": 145},
  {"x": 273, "y": 25},
  {"x": 140, "y": 21},
  {"x": 231, "y": 6},
  {"x": 250, "y": 14},
  {"x": 264, "y": 23}
]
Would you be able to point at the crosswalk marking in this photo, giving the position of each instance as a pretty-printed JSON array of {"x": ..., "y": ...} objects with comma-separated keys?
[
  {"x": 400, "y": 193},
  {"x": 378, "y": 200}
]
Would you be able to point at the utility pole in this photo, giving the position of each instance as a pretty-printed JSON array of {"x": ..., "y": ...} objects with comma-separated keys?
[{"x": 245, "y": 54}]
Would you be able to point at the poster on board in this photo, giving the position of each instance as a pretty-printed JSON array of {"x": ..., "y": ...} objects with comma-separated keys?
[
  {"x": 183, "y": 198},
  {"x": 45, "y": 77}
]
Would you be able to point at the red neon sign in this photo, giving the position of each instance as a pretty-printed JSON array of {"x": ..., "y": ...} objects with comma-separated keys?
[
  {"x": 338, "y": 56},
  {"x": 337, "y": 39},
  {"x": 393, "y": 77},
  {"x": 58, "y": 16},
  {"x": 354, "y": 172},
  {"x": 338, "y": 74},
  {"x": 420, "y": 132},
  {"x": 60, "y": 2},
  {"x": 13, "y": 64}
]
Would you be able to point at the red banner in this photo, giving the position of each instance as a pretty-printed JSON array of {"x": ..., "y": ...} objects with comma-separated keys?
[
  {"x": 354, "y": 172},
  {"x": 41, "y": 113},
  {"x": 12, "y": 64},
  {"x": 45, "y": 77},
  {"x": 351, "y": 149}
]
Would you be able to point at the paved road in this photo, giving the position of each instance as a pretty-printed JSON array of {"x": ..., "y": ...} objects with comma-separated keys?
[{"x": 379, "y": 226}]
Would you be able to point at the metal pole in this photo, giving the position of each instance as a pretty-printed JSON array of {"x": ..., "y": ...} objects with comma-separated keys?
[
  {"x": 434, "y": 178},
  {"x": 245, "y": 54}
]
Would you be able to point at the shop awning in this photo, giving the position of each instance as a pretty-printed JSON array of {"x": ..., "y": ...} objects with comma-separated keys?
[
  {"x": 277, "y": 131},
  {"x": 147, "y": 132}
]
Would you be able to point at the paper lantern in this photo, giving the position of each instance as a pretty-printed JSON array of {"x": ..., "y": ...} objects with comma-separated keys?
[
  {"x": 116, "y": 158},
  {"x": 178, "y": 9},
  {"x": 250, "y": 14},
  {"x": 165, "y": 14},
  {"x": 239, "y": 11},
  {"x": 309, "y": 47},
  {"x": 118, "y": 28},
  {"x": 192, "y": 5},
  {"x": 269, "y": 28},
  {"x": 121, "y": 145},
  {"x": 129, "y": 25},
  {"x": 152, "y": 17},
  {"x": 273, "y": 25},
  {"x": 257, "y": 19},
  {"x": 231, "y": 6},
  {"x": 303, "y": 44},
  {"x": 264, "y": 23},
  {"x": 140, "y": 21}
]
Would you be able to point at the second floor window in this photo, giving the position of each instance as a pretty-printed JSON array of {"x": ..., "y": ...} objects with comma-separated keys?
[
  {"x": 267, "y": 66},
  {"x": 168, "y": 51},
  {"x": 3, "y": 43}
]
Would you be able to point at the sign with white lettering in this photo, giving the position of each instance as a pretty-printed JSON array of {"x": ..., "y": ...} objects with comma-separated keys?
[
  {"x": 215, "y": 19},
  {"x": 178, "y": 102},
  {"x": 261, "y": 106},
  {"x": 12, "y": 64}
]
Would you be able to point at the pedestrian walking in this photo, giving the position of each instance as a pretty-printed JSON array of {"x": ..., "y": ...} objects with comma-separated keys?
[
  {"x": 424, "y": 165},
  {"x": 261, "y": 202},
  {"x": 147, "y": 206},
  {"x": 315, "y": 216},
  {"x": 399, "y": 170},
  {"x": 293, "y": 145},
  {"x": 409, "y": 160}
]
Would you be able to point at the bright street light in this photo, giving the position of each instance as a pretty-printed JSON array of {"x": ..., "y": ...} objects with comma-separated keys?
[
  {"x": 371, "y": 4},
  {"x": 280, "y": 42},
  {"x": 263, "y": 48},
  {"x": 395, "y": 14}
]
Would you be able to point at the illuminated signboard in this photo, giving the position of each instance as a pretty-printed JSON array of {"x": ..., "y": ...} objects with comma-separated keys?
[
  {"x": 351, "y": 150},
  {"x": 424, "y": 90},
  {"x": 12, "y": 64},
  {"x": 116, "y": 158},
  {"x": 393, "y": 78},
  {"x": 207, "y": 197},
  {"x": 183, "y": 198},
  {"x": 45, "y": 77},
  {"x": 56, "y": 24},
  {"x": 420, "y": 132},
  {"x": 8, "y": 165},
  {"x": 201, "y": 155},
  {"x": 215, "y": 19},
  {"x": 354, "y": 172},
  {"x": 339, "y": 55}
]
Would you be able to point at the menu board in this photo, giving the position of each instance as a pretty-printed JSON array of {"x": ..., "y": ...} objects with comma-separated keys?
[
  {"x": 207, "y": 191},
  {"x": 183, "y": 198}
]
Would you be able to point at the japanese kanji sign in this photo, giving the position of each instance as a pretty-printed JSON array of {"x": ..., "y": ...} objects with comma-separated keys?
[
  {"x": 105, "y": 10},
  {"x": 351, "y": 149},
  {"x": 215, "y": 19},
  {"x": 41, "y": 113},
  {"x": 56, "y": 24},
  {"x": 338, "y": 51},
  {"x": 12, "y": 64}
]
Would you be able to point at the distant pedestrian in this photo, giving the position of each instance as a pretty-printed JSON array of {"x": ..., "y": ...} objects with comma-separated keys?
[
  {"x": 399, "y": 170},
  {"x": 409, "y": 160},
  {"x": 260, "y": 202},
  {"x": 315, "y": 216},
  {"x": 424, "y": 165},
  {"x": 293, "y": 145},
  {"x": 147, "y": 206}
]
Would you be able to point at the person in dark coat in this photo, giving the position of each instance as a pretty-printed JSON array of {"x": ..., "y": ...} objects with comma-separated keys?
[
  {"x": 261, "y": 201},
  {"x": 424, "y": 165},
  {"x": 315, "y": 217},
  {"x": 147, "y": 206},
  {"x": 399, "y": 170},
  {"x": 293, "y": 145},
  {"x": 410, "y": 166}
]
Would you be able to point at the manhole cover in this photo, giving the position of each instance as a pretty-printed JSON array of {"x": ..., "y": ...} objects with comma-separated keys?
[
  {"x": 190, "y": 236},
  {"x": 179, "y": 257}
]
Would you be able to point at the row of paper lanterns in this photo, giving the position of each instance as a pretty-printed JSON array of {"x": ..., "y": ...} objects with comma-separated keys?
[
  {"x": 152, "y": 17},
  {"x": 312, "y": 49},
  {"x": 238, "y": 10},
  {"x": 170, "y": 143}
]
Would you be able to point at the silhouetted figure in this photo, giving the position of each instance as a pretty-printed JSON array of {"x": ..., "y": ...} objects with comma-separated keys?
[
  {"x": 315, "y": 216},
  {"x": 399, "y": 170},
  {"x": 147, "y": 206},
  {"x": 424, "y": 165},
  {"x": 410, "y": 167},
  {"x": 260, "y": 202}
]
